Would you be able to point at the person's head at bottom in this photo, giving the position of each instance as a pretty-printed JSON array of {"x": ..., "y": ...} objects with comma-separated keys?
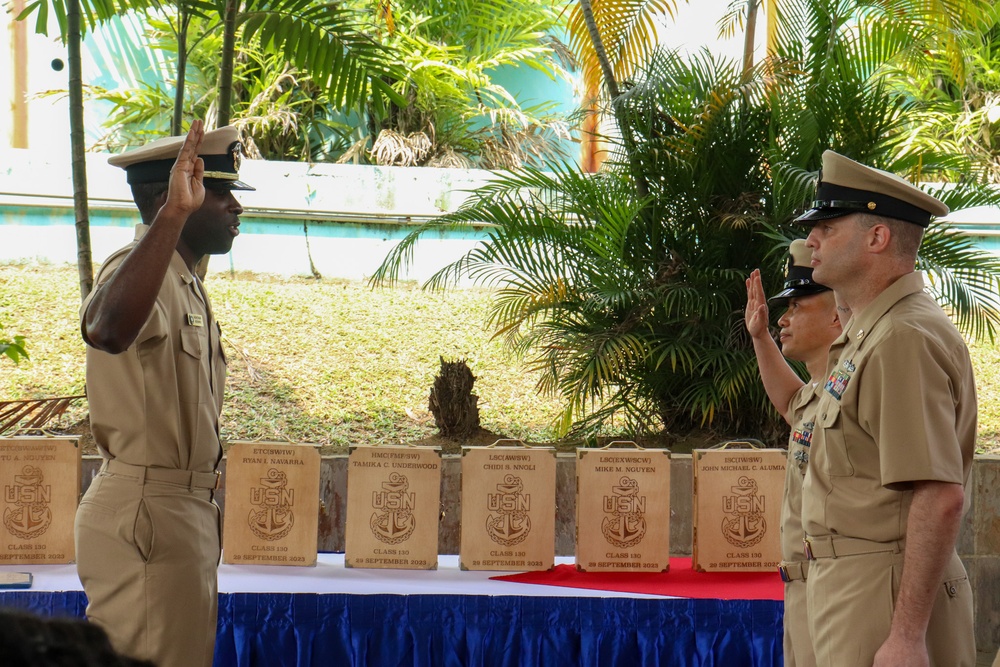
[{"x": 27, "y": 640}]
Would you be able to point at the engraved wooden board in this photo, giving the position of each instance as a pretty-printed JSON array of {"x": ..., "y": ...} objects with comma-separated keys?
[
  {"x": 272, "y": 504},
  {"x": 508, "y": 508},
  {"x": 737, "y": 509},
  {"x": 622, "y": 510},
  {"x": 40, "y": 477},
  {"x": 393, "y": 507}
]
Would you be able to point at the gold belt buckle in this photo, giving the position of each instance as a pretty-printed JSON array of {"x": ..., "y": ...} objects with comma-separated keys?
[
  {"x": 808, "y": 549},
  {"x": 218, "y": 479}
]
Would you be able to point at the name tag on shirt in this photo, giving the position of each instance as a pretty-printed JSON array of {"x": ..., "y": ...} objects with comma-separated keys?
[{"x": 195, "y": 320}]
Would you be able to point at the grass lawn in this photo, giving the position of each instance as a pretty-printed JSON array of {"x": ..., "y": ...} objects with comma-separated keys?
[{"x": 330, "y": 362}]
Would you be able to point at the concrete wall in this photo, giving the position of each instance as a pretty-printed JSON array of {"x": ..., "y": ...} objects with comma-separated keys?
[
  {"x": 979, "y": 539},
  {"x": 340, "y": 219}
]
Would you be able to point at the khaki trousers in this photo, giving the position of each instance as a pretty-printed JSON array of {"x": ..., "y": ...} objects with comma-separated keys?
[
  {"x": 851, "y": 601},
  {"x": 798, "y": 648},
  {"x": 147, "y": 556}
]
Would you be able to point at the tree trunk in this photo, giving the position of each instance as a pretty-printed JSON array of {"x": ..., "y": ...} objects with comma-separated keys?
[
  {"x": 183, "y": 21},
  {"x": 599, "y": 50},
  {"x": 228, "y": 63},
  {"x": 641, "y": 184},
  {"x": 748, "y": 39},
  {"x": 84, "y": 260}
]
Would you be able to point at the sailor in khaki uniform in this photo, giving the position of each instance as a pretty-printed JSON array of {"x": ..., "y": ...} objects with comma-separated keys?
[
  {"x": 894, "y": 438},
  {"x": 810, "y": 322},
  {"x": 147, "y": 530}
]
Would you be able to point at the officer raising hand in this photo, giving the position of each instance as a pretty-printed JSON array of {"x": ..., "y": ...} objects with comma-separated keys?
[{"x": 155, "y": 378}]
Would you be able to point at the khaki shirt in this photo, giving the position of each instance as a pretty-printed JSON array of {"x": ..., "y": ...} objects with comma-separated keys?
[
  {"x": 158, "y": 403},
  {"x": 899, "y": 406},
  {"x": 802, "y": 414}
]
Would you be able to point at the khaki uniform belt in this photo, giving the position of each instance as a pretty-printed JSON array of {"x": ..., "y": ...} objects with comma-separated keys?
[
  {"x": 835, "y": 546},
  {"x": 793, "y": 570},
  {"x": 188, "y": 478}
]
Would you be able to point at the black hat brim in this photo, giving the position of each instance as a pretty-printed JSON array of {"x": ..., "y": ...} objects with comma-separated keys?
[
  {"x": 222, "y": 184},
  {"x": 782, "y": 297},
  {"x": 814, "y": 215}
]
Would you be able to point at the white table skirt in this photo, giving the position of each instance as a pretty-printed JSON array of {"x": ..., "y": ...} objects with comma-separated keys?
[{"x": 331, "y": 576}]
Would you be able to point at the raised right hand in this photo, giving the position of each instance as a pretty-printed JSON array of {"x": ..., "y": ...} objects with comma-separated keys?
[
  {"x": 756, "y": 315},
  {"x": 186, "y": 190}
]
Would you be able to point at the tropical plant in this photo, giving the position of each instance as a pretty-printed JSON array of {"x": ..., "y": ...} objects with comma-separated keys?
[
  {"x": 629, "y": 304},
  {"x": 450, "y": 109},
  {"x": 282, "y": 113},
  {"x": 966, "y": 112},
  {"x": 329, "y": 40},
  {"x": 453, "y": 52},
  {"x": 15, "y": 349}
]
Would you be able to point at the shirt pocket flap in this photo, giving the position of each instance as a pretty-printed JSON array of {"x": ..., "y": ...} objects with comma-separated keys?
[
  {"x": 828, "y": 414},
  {"x": 191, "y": 343}
]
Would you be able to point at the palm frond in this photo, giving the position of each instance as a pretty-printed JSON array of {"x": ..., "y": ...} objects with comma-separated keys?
[
  {"x": 964, "y": 279},
  {"x": 328, "y": 40},
  {"x": 628, "y": 30}
]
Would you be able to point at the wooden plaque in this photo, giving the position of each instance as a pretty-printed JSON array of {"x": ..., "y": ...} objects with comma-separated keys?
[
  {"x": 508, "y": 508},
  {"x": 737, "y": 509},
  {"x": 393, "y": 507},
  {"x": 622, "y": 510},
  {"x": 41, "y": 490},
  {"x": 272, "y": 504}
]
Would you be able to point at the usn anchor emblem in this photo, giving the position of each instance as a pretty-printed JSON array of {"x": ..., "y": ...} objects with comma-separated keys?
[
  {"x": 627, "y": 524},
  {"x": 274, "y": 519},
  {"x": 512, "y": 525},
  {"x": 746, "y": 526},
  {"x": 393, "y": 521},
  {"x": 31, "y": 515}
]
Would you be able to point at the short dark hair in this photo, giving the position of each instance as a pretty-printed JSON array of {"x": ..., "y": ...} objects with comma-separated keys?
[
  {"x": 145, "y": 196},
  {"x": 906, "y": 235}
]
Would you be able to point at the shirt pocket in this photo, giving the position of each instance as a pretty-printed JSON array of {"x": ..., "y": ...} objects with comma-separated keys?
[
  {"x": 191, "y": 372},
  {"x": 835, "y": 453}
]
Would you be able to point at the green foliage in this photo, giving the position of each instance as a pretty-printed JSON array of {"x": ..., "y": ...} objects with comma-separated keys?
[
  {"x": 298, "y": 98},
  {"x": 14, "y": 350},
  {"x": 327, "y": 40},
  {"x": 92, "y": 13},
  {"x": 630, "y": 308},
  {"x": 963, "y": 103},
  {"x": 451, "y": 51},
  {"x": 283, "y": 114}
]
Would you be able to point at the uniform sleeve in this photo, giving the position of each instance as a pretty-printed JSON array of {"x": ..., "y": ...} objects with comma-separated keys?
[
  {"x": 155, "y": 326},
  {"x": 908, "y": 402}
]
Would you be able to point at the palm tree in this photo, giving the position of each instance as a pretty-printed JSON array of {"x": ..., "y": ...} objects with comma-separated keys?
[
  {"x": 84, "y": 261},
  {"x": 611, "y": 46},
  {"x": 628, "y": 305}
]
